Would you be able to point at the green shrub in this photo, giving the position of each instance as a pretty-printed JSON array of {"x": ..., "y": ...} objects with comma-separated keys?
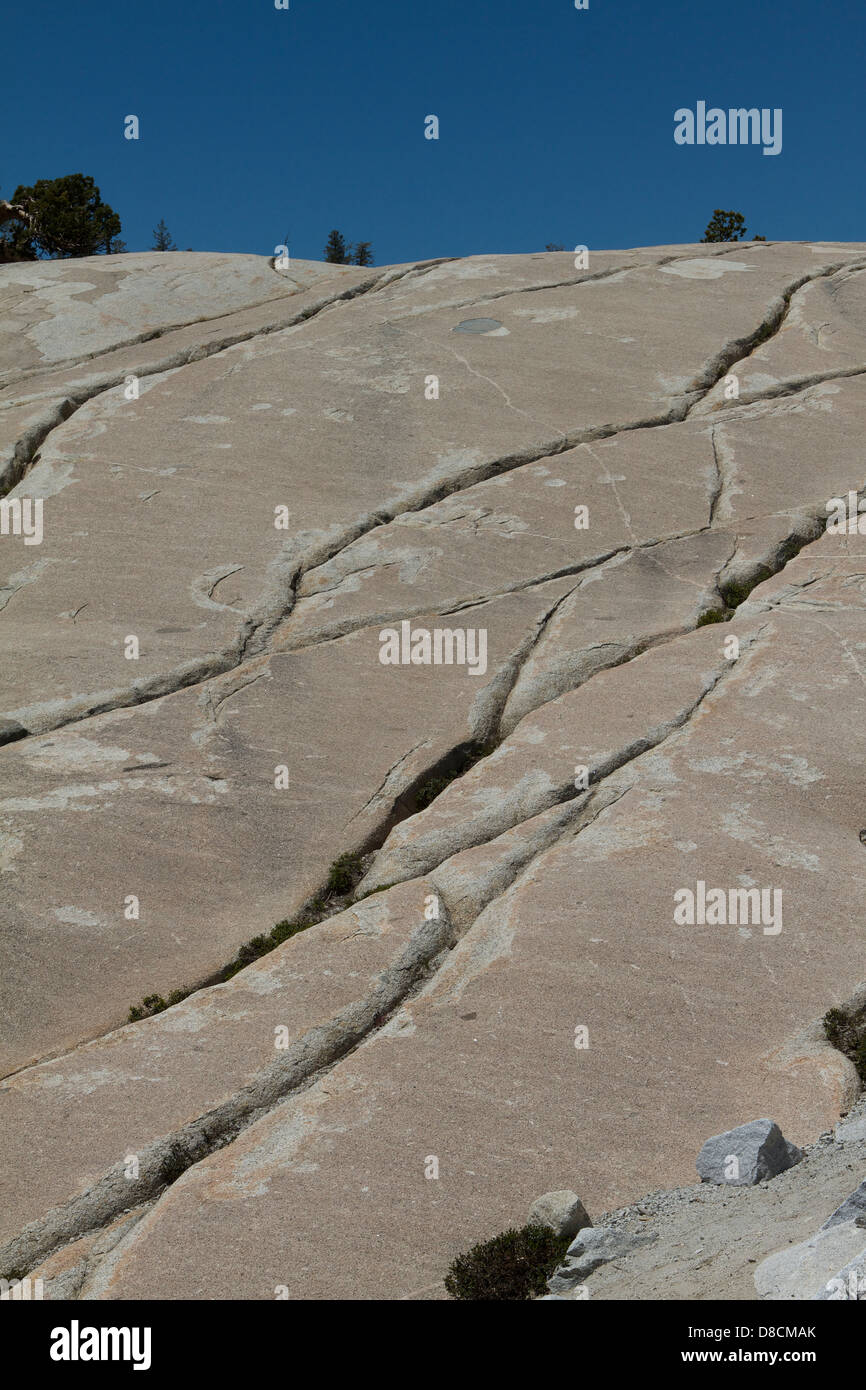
[
  {"x": 515, "y": 1265},
  {"x": 263, "y": 945},
  {"x": 846, "y": 1030},
  {"x": 429, "y": 790},
  {"x": 344, "y": 873},
  {"x": 736, "y": 592},
  {"x": 467, "y": 758},
  {"x": 155, "y": 1004}
]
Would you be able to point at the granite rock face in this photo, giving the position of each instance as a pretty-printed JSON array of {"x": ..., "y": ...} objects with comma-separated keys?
[
  {"x": 809, "y": 1270},
  {"x": 542, "y": 625}
]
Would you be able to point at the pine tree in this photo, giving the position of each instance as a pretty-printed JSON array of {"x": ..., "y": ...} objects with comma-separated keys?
[
  {"x": 362, "y": 254},
  {"x": 725, "y": 226},
  {"x": 336, "y": 251},
  {"x": 162, "y": 240},
  {"x": 58, "y": 217}
]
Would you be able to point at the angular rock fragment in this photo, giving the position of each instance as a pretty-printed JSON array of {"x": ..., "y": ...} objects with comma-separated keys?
[
  {"x": 593, "y": 1247},
  {"x": 749, "y": 1154},
  {"x": 852, "y": 1209}
]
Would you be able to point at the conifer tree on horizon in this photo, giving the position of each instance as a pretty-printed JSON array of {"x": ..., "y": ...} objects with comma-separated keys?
[
  {"x": 57, "y": 218},
  {"x": 727, "y": 226},
  {"x": 336, "y": 250},
  {"x": 162, "y": 239}
]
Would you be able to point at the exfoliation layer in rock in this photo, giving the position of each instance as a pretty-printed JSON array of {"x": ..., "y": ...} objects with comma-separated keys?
[{"x": 509, "y": 575}]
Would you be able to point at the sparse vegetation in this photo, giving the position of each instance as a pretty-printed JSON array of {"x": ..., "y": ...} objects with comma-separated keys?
[
  {"x": 736, "y": 592},
  {"x": 155, "y": 1004},
  {"x": 263, "y": 945},
  {"x": 429, "y": 790},
  {"x": 515, "y": 1265},
  {"x": 846, "y": 1030},
  {"x": 382, "y": 888},
  {"x": 338, "y": 251},
  {"x": 343, "y": 874},
  {"x": 162, "y": 238}
]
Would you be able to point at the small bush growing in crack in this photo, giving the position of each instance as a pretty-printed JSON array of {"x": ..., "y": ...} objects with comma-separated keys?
[
  {"x": 515, "y": 1265},
  {"x": 343, "y": 874},
  {"x": 736, "y": 591},
  {"x": 713, "y": 615},
  {"x": 846, "y": 1030},
  {"x": 347, "y": 870},
  {"x": 263, "y": 945},
  {"x": 429, "y": 790},
  {"x": 155, "y": 1004},
  {"x": 763, "y": 334}
]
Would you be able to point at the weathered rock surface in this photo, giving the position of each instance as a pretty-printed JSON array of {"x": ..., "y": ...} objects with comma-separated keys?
[
  {"x": 592, "y": 1248},
  {"x": 722, "y": 1242},
  {"x": 854, "y": 1207},
  {"x": 751, "y": 1153},
  {"x": 563, "y": 1212},
  {"x": 851, "y": 1130},
  {"x": 254, "y": 473},
  {"x": 805, "y": 1270}
]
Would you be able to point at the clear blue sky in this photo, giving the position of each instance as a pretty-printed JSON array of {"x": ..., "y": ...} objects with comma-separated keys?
[{"x": 556, "y": 124}]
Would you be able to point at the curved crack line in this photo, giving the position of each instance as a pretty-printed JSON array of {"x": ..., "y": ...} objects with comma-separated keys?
[
  {"x": 163, "y": 1161},
  {"x": 791, "y": 386},
  {"x": 256, "y": 632},
  {"x": 740, "y": 349},
  {"x": 775, "y": 321},
  {"x": 349, "y": 626},
  {"x": 21, "y": 455},
  {"x": 176, "y": 1153},
  {"x": 591, "y": 279},
  {"x": 719, "y": 484},
  {"x": 477, "y": 833},
  {"x": 138, "y": 340},
  {"x": 786, "y": 550}
]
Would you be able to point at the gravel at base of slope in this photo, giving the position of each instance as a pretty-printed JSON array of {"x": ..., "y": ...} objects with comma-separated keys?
[{"x": 711, "y": 1239}]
